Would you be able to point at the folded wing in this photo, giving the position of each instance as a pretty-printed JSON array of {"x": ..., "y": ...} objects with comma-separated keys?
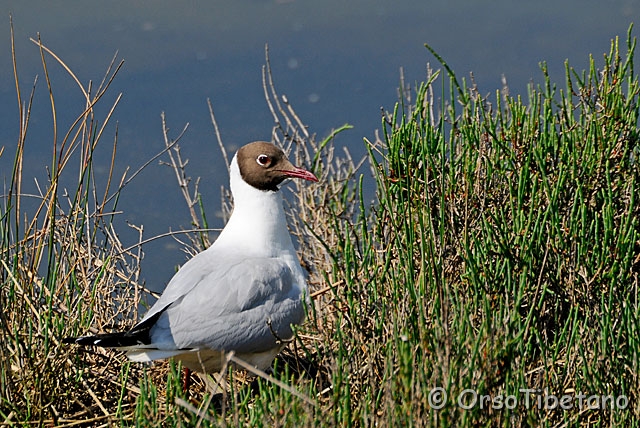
[{"x": 236, "y": 304}]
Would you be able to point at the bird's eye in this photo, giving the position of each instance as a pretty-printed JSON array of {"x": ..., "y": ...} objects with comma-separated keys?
[{"x": 263, "y": 160}]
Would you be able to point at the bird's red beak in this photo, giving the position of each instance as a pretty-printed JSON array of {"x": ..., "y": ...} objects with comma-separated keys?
[{"x": 300, "y": 173}]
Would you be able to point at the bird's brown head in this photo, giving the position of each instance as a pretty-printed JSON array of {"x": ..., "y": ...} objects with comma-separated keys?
[{"x": 264, "y": 166}]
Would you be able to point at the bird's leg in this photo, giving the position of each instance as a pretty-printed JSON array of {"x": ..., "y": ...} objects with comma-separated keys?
[{"x": 186, "y": 380}]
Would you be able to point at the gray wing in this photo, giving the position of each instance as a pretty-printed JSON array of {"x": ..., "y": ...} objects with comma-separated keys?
[
  {"x": 244, "y": 305},
  {"x": 205, "y": 264}
]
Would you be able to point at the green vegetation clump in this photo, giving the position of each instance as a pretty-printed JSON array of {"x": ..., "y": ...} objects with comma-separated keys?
[{"x": 494, "y": 280}]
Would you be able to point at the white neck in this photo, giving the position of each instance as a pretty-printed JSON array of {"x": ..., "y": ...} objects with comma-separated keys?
[{"x": 258, "y": 224}]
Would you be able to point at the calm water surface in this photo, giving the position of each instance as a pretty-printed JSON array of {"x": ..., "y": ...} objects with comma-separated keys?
[{"x": 338, "y": 62}]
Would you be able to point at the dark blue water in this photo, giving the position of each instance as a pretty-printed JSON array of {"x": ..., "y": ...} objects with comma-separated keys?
[{"x": 338, "y": 62}]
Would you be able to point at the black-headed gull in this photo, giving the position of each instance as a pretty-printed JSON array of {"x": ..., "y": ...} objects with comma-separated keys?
[{"x": 242, "y": 294}]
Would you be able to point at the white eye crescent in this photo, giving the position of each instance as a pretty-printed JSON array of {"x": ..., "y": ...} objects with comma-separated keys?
[{"x": 263, "y": 160}]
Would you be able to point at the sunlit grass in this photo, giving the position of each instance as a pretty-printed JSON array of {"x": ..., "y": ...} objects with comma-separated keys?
[{"x": 502, "y": 254}]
